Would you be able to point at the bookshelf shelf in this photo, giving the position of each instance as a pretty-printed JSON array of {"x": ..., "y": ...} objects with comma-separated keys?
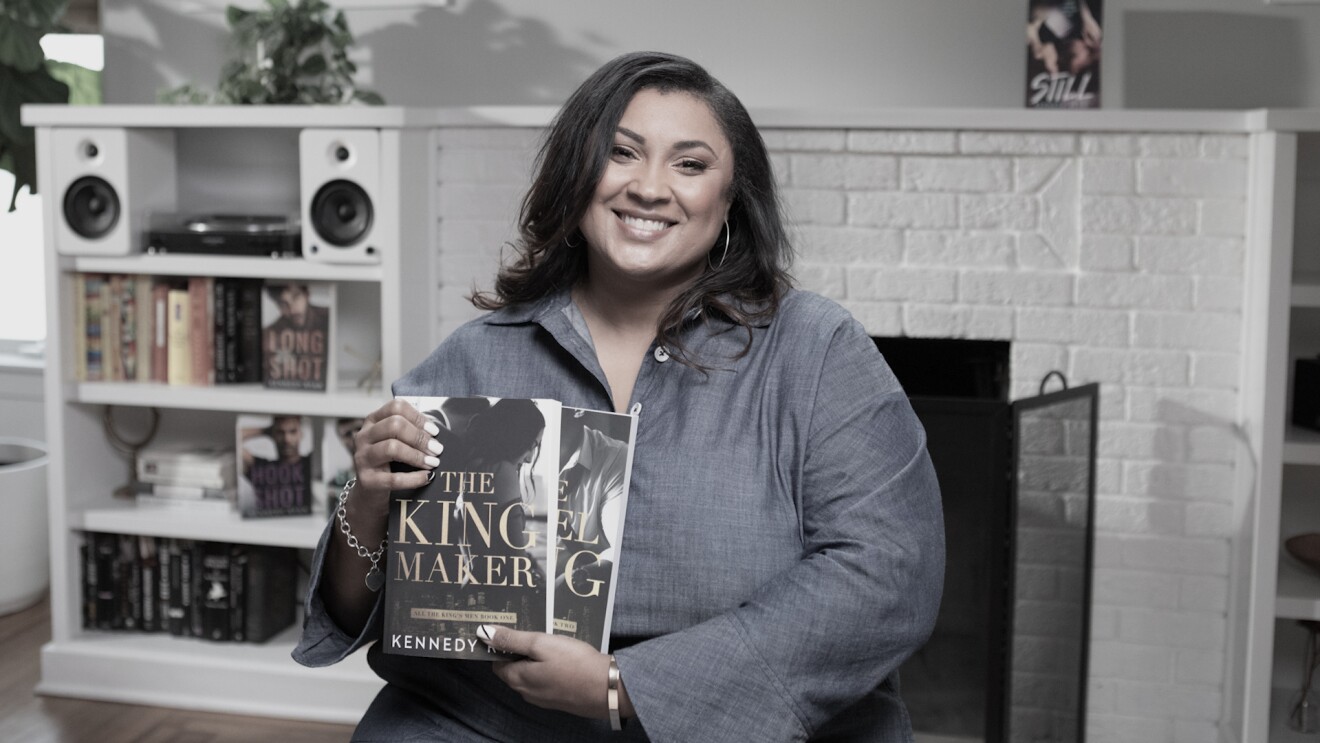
[
  {"x": 284, "y": 531},
  {"x": 237, "y": 398},
  {"x": 211, "y": 265}
]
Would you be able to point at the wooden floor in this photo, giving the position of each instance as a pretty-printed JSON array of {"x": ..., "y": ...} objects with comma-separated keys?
[{"x": 29, "y": 718}]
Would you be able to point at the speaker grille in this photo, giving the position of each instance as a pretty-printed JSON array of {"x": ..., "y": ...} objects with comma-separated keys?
[
  {"x": 341, "y": 213},
  {"x": 91, "y": 207}
]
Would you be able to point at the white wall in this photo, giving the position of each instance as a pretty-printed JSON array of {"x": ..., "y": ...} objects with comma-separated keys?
[{"x": 773, "y": 53}]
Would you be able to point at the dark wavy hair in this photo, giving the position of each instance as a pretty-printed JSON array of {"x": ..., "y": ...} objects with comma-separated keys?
[{"x": 550, "y": 253}]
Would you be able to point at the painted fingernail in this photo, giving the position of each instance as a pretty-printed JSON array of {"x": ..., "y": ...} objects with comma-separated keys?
[
  {"x": 432, "y": 461},
  {"x": 430, "y": 475},
  {"x": 487, "y": 633},
  {"x": 435, "y": 446},
  {"x": 431, "y": 427}
]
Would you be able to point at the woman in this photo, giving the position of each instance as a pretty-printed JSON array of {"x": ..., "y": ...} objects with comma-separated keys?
[{"x": 783, "y": 548}]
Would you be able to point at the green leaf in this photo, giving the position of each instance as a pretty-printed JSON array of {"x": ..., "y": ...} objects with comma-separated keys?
[
  {"x": 84, "y": 84},
  {"x": 369, "y": 97},
  {"x": 235, "y": 15},
  {"x": 313, "y": 65},
  {"x": 20, "y": 47}
]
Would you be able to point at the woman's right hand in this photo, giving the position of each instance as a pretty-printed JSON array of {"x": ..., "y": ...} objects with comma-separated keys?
[{"x": 394, "y": 432}]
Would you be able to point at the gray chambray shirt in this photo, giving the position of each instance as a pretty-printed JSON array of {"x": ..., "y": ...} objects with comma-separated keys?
[{"x": 783, "y": 551}]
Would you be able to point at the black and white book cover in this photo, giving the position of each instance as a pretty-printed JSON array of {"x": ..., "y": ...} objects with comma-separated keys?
[
  {"x": 337, "y": 456},
  {"x": 595, "y": 455},
  {"x": 472, "y": 546},
  {"x": 1063, "y": 53},
  {"x": 297, "y": 328},
  {"x": 275, "y": 455}
]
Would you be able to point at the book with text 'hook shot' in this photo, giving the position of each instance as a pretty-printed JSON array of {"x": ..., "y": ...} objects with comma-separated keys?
[{"x": 474, "y": 546}]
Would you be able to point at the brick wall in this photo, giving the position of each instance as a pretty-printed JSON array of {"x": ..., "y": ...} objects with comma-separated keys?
[{"x": 1116, "y": 258}]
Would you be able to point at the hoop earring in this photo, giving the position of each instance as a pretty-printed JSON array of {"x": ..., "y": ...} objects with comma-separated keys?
[
  {"x": 725, "y": 254},
  {"x": 569, "y": 244}
]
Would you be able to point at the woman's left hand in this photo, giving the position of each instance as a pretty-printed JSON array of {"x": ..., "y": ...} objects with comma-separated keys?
[{"x": 557, "y": 672}]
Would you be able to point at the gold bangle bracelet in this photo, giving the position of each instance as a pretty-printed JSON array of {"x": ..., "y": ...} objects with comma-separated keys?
[{"x": 612, "y": 695}]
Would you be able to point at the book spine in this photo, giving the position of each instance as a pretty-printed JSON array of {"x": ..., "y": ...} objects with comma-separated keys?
[
  {"x": 143, "y": 327},
  {"x": 238, "y": 593},
  {"x": 128, "y": 338},
  {"x": 185, "y": 588},
  {"x": 94, "y": 315},
  {"x": 150, "y": 568},
  {"x": 219, "y": 346},
  {"x": 270, "y": 591},
  {"x": 88, "y": 552},
  {"x": 128, "y": 588},
  {"x": 178, "y": 579},
  {"x": 112, "y": 333},
  {"x": 215, "y": 591},
  {"x": 107, "y": 609},
  {"x": 202, "y": 330},
  {"x": 197, "y": 609},
  {"x": 179, "y": 362},
  {"x": 160, "y": 333},
  {"x": 164, "y": 556},
  {"x": 247, "y": 307},
  {"x": 79, "y": 327}
]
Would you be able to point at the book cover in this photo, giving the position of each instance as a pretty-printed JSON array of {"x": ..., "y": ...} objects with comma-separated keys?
[
  {"x": 595, "y": 455},
  {"x": 275, "y": 465},
  {"x": 1063, "y": 53},
  {"x": 471, "y": 547},
  {"x": 179, "y": 348},
  {"x": 296, "y": 334},
  {"x": 337, "y": 457}
]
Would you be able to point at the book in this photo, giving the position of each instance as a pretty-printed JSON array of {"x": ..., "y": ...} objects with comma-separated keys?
[
  {"x": 216, "y": 591},
  {"x": 296, "y": 335},
  {"x": 337, "y": 457},
  {"x": 112, "y": 329},
  {"x": 595, "y": 470},
  {"x": 94, "y": 296},
  {"x": 1063, "y": 53},
  {"x": 178, "y": 328},
  {"x": 80, "y": 327},
  {"x": 275, "y": 465},
  {"x": 149, "y": 569},
  {"x": 160, "y": 346},
  {"x": 471, "y": 547},
  {"x": 201, "y": 343},
  {"x": 270, "y": 591},
  {"x": 245, "y": 308},
  {"x": 186, "y": 464},
  {"x": 144, "y": 317}
]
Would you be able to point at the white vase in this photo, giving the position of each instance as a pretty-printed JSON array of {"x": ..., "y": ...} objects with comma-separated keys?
[{"x": 24, "y": 537}]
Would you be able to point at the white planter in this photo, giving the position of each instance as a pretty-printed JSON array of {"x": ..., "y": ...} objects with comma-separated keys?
[{"x": 24, "y": 554}]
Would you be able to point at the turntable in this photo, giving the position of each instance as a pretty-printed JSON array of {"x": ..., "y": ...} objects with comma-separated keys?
[{"x": 277, "y": 236}]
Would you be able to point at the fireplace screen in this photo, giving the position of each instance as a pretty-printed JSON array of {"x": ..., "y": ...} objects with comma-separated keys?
[{"x": 1007, "y": 659}]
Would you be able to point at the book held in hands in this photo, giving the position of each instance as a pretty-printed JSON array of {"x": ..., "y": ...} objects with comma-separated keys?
[{"x": 472, "y": 546}]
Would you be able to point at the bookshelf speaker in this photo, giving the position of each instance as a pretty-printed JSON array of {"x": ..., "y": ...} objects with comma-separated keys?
[
  {"x": 340, "y": 182},
  {"x": 106, "y": 181}
]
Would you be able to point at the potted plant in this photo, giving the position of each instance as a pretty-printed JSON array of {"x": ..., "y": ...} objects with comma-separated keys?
[
  {"x": 26, "y": 76},
  {"x": 287, "y": 53}
]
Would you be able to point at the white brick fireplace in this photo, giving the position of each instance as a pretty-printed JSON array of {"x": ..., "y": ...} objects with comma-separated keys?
[{"x": 1114, "y": 254}]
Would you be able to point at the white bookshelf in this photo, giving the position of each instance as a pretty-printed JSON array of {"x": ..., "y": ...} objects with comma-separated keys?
[{"x": 385, "y": 306}]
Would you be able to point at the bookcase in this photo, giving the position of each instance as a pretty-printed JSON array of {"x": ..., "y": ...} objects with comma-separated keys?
[
  {"x": 220, "y": 160},
  {"x": 1281, "y": 465}
]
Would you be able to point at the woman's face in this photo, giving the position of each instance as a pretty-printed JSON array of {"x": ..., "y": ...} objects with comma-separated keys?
[{"x": 661, "y": 203}]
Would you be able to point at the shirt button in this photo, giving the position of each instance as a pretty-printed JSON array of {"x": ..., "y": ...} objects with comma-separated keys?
[
  {"x": 636, "y": 409},
  {"x": 661, "y": 354}
]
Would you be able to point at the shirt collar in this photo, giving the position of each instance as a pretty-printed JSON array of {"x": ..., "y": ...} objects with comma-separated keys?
[{"x": 527, "y": 312}]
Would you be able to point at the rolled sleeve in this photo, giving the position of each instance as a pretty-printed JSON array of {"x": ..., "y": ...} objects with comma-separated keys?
[
  {"x": 323, "y": 643},
  {"x": 864, "y": 596}
]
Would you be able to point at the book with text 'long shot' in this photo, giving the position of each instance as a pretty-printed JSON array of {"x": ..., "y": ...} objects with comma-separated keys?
[{"x": 474, "y": 545}]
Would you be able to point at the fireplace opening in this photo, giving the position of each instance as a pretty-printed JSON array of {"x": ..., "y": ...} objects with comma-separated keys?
[{"x": 1007, "y": 658}]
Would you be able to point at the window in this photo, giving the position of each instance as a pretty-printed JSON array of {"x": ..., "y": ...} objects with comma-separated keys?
[{"x": 22, "y": 280}]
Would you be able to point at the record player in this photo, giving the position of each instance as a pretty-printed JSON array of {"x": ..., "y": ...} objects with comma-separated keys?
[{"x": 277, "y": 236}]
